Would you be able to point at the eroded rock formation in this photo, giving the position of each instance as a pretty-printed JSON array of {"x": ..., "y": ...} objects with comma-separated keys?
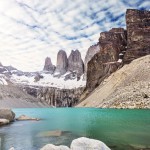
[
  {"x": 49, "y": 66},
  {"x": 138, "y": 32},
  {"x": 62, "y": 63},
  {"x": 75, "y": 63},
  {"x": 54, "y": 96}
]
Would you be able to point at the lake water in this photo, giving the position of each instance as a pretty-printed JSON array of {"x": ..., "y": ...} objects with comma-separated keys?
[{"x": 119, "y": 129}]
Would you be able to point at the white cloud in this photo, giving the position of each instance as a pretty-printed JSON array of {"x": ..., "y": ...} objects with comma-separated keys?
[{"x": 31, "y": 30}]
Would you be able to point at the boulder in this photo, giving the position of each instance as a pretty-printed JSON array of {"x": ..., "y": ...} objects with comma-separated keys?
[
  {"x": 4, "y": 121},
  {"x": 88, "y": 144},
  {"x": 24, "y": 117},
  {"x": 53, "y": 147},
  {"x": 7, "y": 114}
]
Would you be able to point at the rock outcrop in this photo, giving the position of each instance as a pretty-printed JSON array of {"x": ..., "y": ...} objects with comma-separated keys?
[
  {"x": 7, "y": 114},
  {"x": 49, "y": 66},
  {"x": 75, "y": 63},
  {"x": 92, "y": 50},
  {"x": 105, "y": 62},
  {"x": 55, "y": 97},
  {"x": 59, "y": 97},
  {"x": 62, "y": 63},
  {"x": 138, "y": 33}
]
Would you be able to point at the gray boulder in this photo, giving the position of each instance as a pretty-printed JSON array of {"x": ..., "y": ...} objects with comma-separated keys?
[
  {"x": 88, "y": 144},
  {"x": 7, "y": 114}
]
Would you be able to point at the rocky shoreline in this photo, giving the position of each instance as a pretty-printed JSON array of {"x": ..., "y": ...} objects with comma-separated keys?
[
  {"x": 7, "y": 116},
  {"x": 82, "y": 143}
]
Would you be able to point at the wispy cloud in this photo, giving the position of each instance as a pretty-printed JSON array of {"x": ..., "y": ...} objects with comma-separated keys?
[{"x": 32, "y": 30}]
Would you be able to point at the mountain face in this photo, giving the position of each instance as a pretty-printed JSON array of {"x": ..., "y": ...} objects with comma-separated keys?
[
  {"x": 138, "y": 32},
  {"x": 62, "y": 63},
  {"x": 49, "y": 66},
  {"x": 112, "y": 44},
  {"x": 128, "y": 87},
  {"x": 119, "y": 47},
  {"x": 75, "y": 63},
  {"x": 92, "y": 50},
  {"x": 71, "y": 68},
  {"x": 42, "y": 88}
]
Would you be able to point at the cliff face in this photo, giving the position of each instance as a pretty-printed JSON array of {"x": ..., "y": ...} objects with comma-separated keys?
[
  {"x": 92, "y": 50},
  {"x": 73, "y": 65},
  {"x": 62, "y": 63},
  {"x": 118, "y": 47},
  {"x": 54, "y": 96},
  {"x": 105, "y": 62},
  {"x": 49, "y": 66},
  {"x": 75, "y": 62},
  {"x": 138, "y": 32}
]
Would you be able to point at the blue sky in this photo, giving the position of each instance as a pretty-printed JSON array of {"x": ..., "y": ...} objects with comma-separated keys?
[{"x": 31, "y": 30}]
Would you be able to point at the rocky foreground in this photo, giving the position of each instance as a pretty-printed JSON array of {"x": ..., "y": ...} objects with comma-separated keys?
[
  {"x": 7, "y": 116},
  {"x": 78, "y": 144}
]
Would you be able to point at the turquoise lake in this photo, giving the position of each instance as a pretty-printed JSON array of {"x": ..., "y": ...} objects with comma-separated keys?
[{"x": 120, "y": 129}]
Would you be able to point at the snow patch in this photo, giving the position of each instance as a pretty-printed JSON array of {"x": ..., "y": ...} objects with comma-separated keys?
[
  {"x": 49, "y": 81},
  {"x": 119, "y": 60}
]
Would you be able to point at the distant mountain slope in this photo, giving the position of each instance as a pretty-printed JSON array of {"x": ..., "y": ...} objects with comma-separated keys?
[
  {"x": 12, "y": 96},
  {"x": 128, "y": 87}
]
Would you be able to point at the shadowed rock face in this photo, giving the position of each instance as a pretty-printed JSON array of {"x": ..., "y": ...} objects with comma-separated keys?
[
  {"x": 62, "y": 63},
  {"x": 105, "y": 62},
  {"x": 75, "y": 63},
  {"x": 59, "y": 97},
  {"x": 92, "y": 50},
  {"x": 49, "y": 66},
  {"x": 138, "y": 31}
]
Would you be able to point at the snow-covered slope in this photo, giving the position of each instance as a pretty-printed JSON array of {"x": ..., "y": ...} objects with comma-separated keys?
[
  {"x": 43, "y": 78},
  {"x": 48, "y": 80}
]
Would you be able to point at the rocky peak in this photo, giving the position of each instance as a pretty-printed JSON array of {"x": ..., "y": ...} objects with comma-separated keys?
[
  {"x": 92, "y": 50},
  {"x": 1, "y": 64},
  {"x": 48, "y": 65},
  {"x": 75, "y": 62},
  {"x": 62, "y": 63},
  {"x": 106, "y": 61},
  {"x": 138, "y": 32}
]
